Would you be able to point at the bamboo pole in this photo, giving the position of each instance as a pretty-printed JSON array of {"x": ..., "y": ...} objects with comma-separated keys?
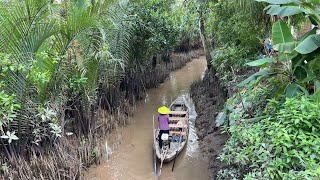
[{"x": 154, "y": 148}]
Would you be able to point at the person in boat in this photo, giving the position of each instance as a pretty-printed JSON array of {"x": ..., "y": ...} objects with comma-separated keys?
[{"x": 163, "y": 119}]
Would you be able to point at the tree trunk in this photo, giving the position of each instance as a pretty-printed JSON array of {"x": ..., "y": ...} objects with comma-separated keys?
[{"x": 206, "y": 46}]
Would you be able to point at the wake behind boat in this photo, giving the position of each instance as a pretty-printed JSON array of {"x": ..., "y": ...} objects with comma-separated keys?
[{"x": 176, "y": 140}]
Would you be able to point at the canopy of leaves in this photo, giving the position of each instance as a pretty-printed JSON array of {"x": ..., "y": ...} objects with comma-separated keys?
[
  {"x": 238, "y": 23},
  {"x": 160, "y": 26}
]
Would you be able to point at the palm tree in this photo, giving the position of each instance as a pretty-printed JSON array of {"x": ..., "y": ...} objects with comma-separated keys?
[{"x": 68, "y": 49}]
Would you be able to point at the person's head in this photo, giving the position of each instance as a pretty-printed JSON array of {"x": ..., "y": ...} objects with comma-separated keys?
[{"x": 163, "y": 110}]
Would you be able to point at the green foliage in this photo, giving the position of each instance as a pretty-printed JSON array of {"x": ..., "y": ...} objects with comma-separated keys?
[
  {"x": 225, "y": 58},
  {"x": 62, "y": 61},
  {"x": 261, "y": 62},
  {"x": 229, "y": 23},
  {"x": 51, "y": 54},
  {"x": 298, "y": 57},
  {"x": 309, "y": 44},
  {"x": 247, "y": 104},
  {"x": 238, "y": 26},
  {"x": 281, "y": 33},
  {"x": 284, "y": 145},
  {"x": 159, "y": 26},
  {"x": 231, "y": 173},
  {"x": 59, "y": 58},
  {"x": 45, "y": 126},
  {"x": 8, "y": 108},
  {"x": 293, "y": 7},
  {"x": 279, "y": 140},
  {"x": 77, "y": 83}
]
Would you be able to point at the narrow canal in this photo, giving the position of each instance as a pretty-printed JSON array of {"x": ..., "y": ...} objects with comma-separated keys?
[{"x": 130, "y": 148}]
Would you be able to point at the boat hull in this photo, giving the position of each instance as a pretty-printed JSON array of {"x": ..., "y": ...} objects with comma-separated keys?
[
  {"x": 179, "y": 128},
  {"x": 170, "y": 156}
]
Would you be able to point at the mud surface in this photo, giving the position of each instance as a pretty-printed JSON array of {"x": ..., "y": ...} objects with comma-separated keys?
[{"x": 209, "y": 99}]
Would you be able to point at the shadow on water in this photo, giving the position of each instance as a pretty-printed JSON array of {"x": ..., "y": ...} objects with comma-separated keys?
[{"x": 131, "y": 146}]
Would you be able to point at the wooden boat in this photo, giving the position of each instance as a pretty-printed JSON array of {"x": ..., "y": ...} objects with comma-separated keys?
[{"x": 178, "y": 133}]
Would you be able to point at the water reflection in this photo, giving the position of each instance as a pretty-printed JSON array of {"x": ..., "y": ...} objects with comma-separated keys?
[{"x": 164, "y": 100}]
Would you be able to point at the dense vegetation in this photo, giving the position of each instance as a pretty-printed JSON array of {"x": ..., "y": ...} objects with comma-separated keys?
[
  {"x": 237, "y": 28},
  {"x": 273, "y": 118},
  {"x": 68, "y": 68}
]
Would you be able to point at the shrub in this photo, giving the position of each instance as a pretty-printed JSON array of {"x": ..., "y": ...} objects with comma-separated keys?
[
  {"x": 284, "y": 145},
  {"x": 225, "y": 58}
]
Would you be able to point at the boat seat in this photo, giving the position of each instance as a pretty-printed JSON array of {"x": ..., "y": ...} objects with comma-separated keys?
[
  {"x": 178, "y": 118},
  {"x": 178, "y": 125},
  {"x": 178, "y": 112}
]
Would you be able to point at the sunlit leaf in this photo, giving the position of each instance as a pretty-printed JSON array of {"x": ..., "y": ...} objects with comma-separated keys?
[
  {"x": 308, "y": 45},
  {"x": 261, "y": 62},
  {"x": 276, "y": 10},
  {"x": 285, "y": 47},
  {"x": 280, "y": 1},
  {"x": 281, "y": 33}
]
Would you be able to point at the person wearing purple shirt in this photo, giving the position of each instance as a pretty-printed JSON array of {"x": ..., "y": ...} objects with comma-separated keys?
[
  {"x": 163, "y": 119},
  {"x": 163, "y": 122}
]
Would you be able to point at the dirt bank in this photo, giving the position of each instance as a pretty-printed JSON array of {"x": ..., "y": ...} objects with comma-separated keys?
[{"x": 209, "y": 99}]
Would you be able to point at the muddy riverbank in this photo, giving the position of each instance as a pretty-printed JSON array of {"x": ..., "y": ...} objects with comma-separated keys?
[
  {"x": 127, "y": 154},
  {"x": 209, "y": 99}
]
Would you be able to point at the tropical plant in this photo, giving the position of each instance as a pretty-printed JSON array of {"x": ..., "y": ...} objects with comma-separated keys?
[
  {"x": 299, "y": 58},
  {"x": 60, "y": 60},
  {"x": 156, "y": 28},
  {"x": 54, "y": 53},
  {"x": 238, "y": 23},
  {"x": 283, "y": 145},
  {"x": 292, "y": 7},
  {"x": 237, "y": 33},
  {"x": 225, "y": 59}
]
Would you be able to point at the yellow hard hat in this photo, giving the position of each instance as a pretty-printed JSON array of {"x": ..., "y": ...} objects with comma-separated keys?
[{"x": 163, "y": 110}]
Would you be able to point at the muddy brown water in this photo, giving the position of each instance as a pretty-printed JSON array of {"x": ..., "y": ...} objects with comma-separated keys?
[{"x": 128, "y": 152}]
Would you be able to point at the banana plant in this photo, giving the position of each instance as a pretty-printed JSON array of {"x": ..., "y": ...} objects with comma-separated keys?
[
  {"x": 291, "y": 7},
  {"x": 299, "y": 58}
]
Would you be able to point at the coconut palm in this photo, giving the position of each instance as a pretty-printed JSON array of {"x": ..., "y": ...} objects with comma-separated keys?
[{"x": 65, "y": 51}]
